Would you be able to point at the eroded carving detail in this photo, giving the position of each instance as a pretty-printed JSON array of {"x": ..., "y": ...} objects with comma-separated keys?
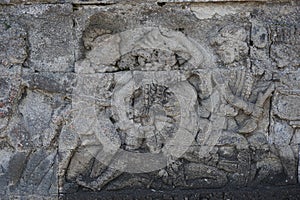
[{"x": 139, "y": 108}]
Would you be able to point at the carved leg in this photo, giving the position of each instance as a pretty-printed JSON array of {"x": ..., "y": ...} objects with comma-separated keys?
[{"x": 108, "y": 175}]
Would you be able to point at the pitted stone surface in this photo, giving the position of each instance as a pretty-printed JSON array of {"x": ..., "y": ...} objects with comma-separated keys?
[{"x": 186, "y": 99}]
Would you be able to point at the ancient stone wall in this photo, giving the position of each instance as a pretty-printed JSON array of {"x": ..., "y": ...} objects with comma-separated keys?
[{"x": 168, "y": 99}]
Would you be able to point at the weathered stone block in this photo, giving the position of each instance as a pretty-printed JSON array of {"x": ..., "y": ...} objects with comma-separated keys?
[
  {"x": 182, "y": 99},
  {"x": 50, "y": 35}
]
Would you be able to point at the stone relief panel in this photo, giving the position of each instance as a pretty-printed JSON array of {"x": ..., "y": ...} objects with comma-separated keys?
[
  {"x": 153, "y": 112},
  {"x": 149, "y": 112},
  {"x": 107, "y": 97}
]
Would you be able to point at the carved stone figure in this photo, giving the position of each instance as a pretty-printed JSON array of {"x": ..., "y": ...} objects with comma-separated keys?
[
  {"x": 149, "y": 100},
  {"x": 153, "y": 113}
]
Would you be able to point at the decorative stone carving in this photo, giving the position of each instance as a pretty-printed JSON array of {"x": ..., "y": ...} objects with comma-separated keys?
[
  {"x": 154, "y": 110},
  {"x": 103, "y": 99}
]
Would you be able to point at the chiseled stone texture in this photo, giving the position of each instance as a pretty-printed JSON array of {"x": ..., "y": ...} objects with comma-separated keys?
[
  {"x": 182, "y": 99},
  {"x": 50, "y": 35}
]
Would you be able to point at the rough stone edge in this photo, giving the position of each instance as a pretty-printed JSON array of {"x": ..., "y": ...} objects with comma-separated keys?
[{"x": 107, "y": 2}]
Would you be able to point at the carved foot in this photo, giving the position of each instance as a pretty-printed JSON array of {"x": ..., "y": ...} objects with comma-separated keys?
[{"x": 93, "y": 185}]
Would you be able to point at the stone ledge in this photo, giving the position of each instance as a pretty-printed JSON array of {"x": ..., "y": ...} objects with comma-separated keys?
[
  {"x": 95, "y": 2},
  {"x": 267, "y": 193}
]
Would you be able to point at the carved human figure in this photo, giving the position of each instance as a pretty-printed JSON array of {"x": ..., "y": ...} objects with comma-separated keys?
[{"x": 146, "y": 114}]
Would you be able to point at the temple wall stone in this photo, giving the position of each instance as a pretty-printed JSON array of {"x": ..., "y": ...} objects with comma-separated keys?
[{"x": 166, "y": 99}]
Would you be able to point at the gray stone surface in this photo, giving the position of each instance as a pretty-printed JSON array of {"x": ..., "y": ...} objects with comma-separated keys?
[
  {"x": 50, "y": 35},
  {"x": 149, "y": 99}
]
